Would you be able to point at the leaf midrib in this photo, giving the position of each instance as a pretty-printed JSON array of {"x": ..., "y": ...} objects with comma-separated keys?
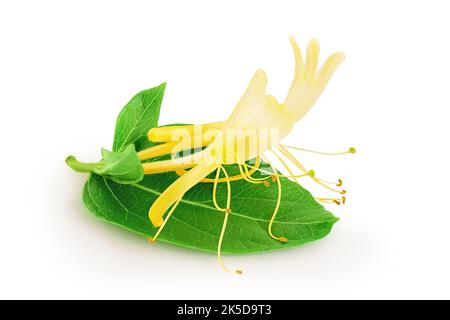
[{"x": 195, "y": 204}]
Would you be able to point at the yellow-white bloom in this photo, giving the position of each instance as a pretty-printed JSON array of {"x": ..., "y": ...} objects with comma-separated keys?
[
  {"x": 256, "y": 112},
  {"x": 258, "y": 122}
]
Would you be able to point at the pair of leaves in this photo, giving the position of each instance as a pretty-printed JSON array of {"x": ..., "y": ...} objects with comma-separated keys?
[
  {"x": 196, "y": 223},
  {"x": 122, "y": 165}
]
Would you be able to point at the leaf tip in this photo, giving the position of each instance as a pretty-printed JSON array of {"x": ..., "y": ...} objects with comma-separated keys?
[
  {"x": 335, "y": 219},
  {"x": 162, "y": 86}
]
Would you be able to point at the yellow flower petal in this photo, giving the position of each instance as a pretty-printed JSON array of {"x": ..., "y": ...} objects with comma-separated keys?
[
  {"x": 177, "y": 189},
  {"x": 312, "y": 58},
  {"x": 328, "y": 68}
]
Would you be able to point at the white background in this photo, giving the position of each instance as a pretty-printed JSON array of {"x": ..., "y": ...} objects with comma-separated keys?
[{"x": 68, "y": 67}]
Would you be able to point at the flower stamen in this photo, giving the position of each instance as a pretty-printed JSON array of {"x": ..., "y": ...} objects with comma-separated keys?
[
  {"x": 337, "y": 201},
  {"x": 297, "y": 163},
  {"x": 259, "y": 180},
  {"x": 285, "y": 165},
  {"x": 337, "y": 184},
  {"x": 273, "y": 176},
  {"x": 214, "y": 195},
  {"x": 220, "y": 180},
  {"x": 227, "y": 212},
  {"x": 275, "y": 211},
  {"x": 350, "y": 150},
  {"x": 245, "y": 176}
]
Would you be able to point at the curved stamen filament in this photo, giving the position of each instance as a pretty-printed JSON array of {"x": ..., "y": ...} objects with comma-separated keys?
[
  {"x": 249, "y": 175},
  {"x": 244, "y": 175},
  {"x": 214, "y": 195},
  {"x": 272, "y": 174},
  {"x": 319, "y": 181},
  {"x": 153, "y": 239},
  {"x": 180, "y": 172},
  {"x": 350, "y": 150},
  {"x": 228, "y": 187},
  {"x": 285, "y": 165},
  {"x": 275, "y": 211},
  {"x": 224, "y": 225},
  {"x": 337, "y": 184},
  {"x": 337, "y": 201},
  {"x": 288, "y": 155}
]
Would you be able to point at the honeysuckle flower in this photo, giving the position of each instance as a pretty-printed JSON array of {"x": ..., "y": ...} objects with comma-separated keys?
[{"x": 257, "y": 125}]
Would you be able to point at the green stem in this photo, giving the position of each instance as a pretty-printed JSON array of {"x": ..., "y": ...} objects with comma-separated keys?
[{"x": 80, "y": 166}]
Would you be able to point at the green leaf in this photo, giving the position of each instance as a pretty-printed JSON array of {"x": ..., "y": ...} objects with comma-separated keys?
[
  {"x": 196, "y": 223},
  {"x": 138, "y": 116},
  {"x": 122, "y": 167}
]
